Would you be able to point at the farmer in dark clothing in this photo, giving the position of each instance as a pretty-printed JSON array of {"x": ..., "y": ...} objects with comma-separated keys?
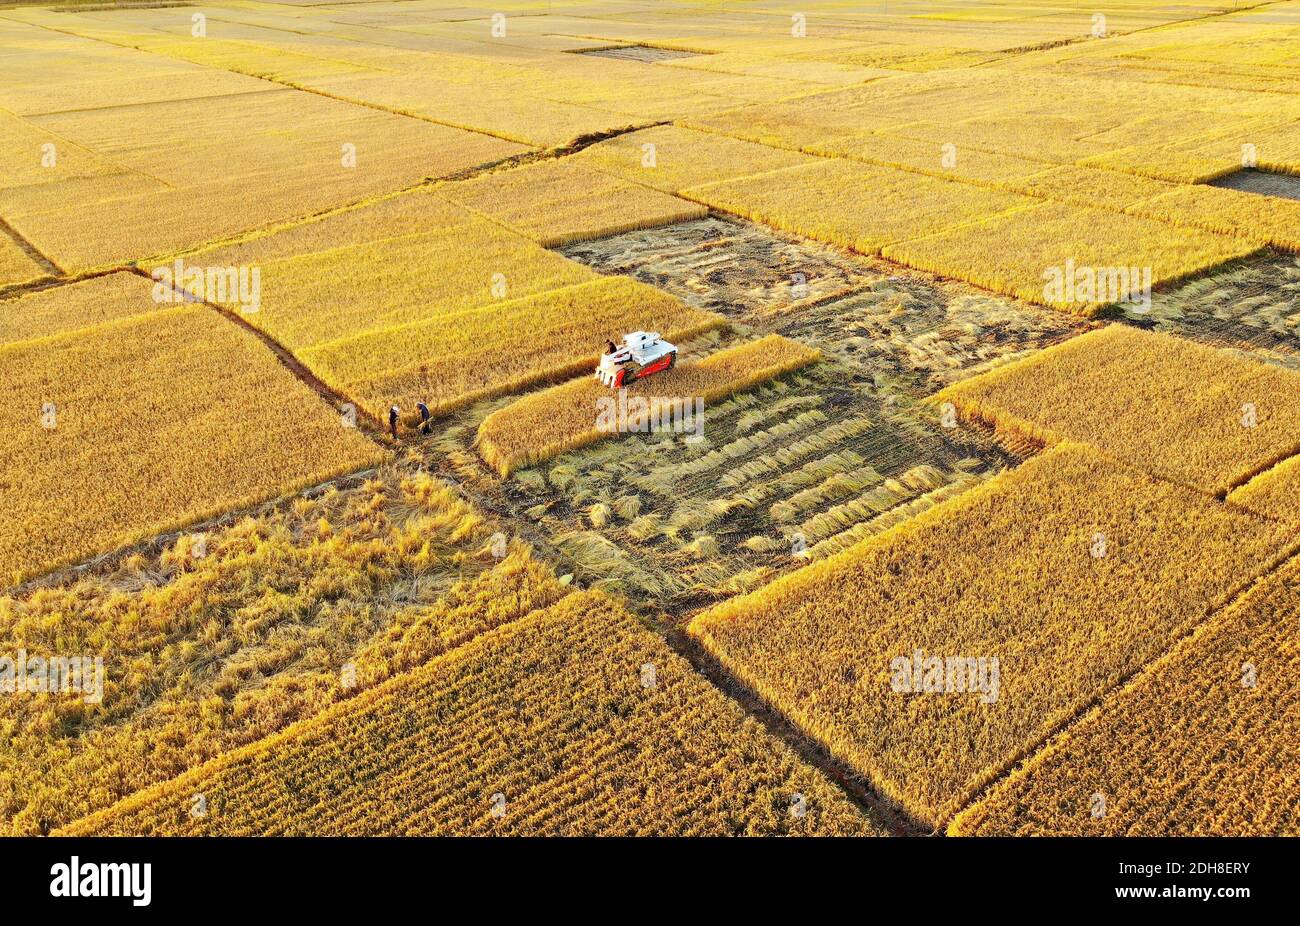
[
  {"x": 392, "y": 420},
  {"x": 424, "y": 417},
  {"x": 609, "y": 347}
]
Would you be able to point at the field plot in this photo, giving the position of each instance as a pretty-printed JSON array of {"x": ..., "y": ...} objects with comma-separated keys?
[
  {"x": 1251, "y": 216},
  {"x": 784, "y": 472},
  {"x": 181, "y": 416},
  {"x": 1189, "y": 413},
  {"x": 988, "y": 330},
  {"x": 544, "y": 424},
  {"x": 452, "y": 360},
  {"x": 40, "y": 66},
  {"x": 1009, "y": 572},
  {"x": 1015, "y": 253},
  {"x": 854, "y": 206},
  {"x": 415, "y": 299},
  {"x": 1262, "y": 182},
  {"x": 16, "y": 265},
  {"x": 544, "y": 727},
  {"x": 671, "y": 158},
  {"x": 411, "y": 258},
  {"x": 62, "y": 309},
  {"x": 222, "y": 638},
  {"x": 1201, "y": 743},
  {"x": 282, "y": 154},
  {"x": 725, "y": 266},
  {"x": 559, "y": 202}
]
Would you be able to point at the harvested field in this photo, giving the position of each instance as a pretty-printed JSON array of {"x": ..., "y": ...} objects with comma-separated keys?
[
  {"x": 1251, "y": 307},
  {"x": 788, "y": 471},
  {"x": 647, "y": 53},
  {"x": 544, "y": 424},
  {"x": 1261, "y": 182}
]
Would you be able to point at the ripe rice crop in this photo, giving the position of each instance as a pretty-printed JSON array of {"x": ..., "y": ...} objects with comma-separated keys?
[
  {"x": 274, "y": 617},
  {"x": 1010, "y": 571},
  {"x": 1195, "y": 157},
  {"x": 1201, "y": 743},
  {"x": 1014, "y": 252},
  {"x": 16, "y": 266},
  {"x": 547, "y": 423},
  {"x": 340, "y": 290},
  {"x": 559, "y": 202},
  {"x": 1231, "y": 212},
  {"x": 78, "y": 305},
  {"x": 1195, "y": 414},
  {"x": 95, "y": 74},
  {"x": 451, "y": 360},
  {"x": 852, "y": 205},
  {"x": 1087, "y": 186},
  {"x": 489, "y": 106},
  {"x": 22, "y": 152},
  {"x": 970, "y": 165},
  {"x": 1274, "y": 492},
  {"x": 575, "y": 720},
  {"x": 172, "y": 417},
  {"x": 400, "y": 216},
  {"x": 671, "y": 158},
  {"x": 283, "y": 155}
]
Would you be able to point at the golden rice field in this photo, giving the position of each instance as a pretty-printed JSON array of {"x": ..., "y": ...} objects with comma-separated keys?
[
  {"x": 379, "y": 576},
  {"x": 671, "y": 158},
  {"x": 1274, "y": 492},
  {"x": 449, "y": 361},
  {"x": 63, "y": 310},
  {"x": 974, "y": 497},
  {"x": 1014, "y": 252},
  {"x": 181, "y": 418},
  {"x": 1198, "y": 744},
  {"x": 412, "y": 258},
  {"x": 574, "y": 720},
  {"x": 1189, "y": 413},
  {"x": 855, "y": 206},
  {"x": 552, "y": 421},
  {"x": 1064, "y": 623},
  {"x": 559, "y": 202}
]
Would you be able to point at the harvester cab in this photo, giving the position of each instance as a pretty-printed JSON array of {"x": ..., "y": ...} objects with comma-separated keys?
[{"x": 642, "y": 354}]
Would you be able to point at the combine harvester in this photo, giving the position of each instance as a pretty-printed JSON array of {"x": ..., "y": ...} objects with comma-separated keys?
[{"x": 643, "y": 354}]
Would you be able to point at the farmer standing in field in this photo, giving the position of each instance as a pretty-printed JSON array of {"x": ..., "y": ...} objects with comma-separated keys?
[
  {"x": 424, "y": 417},
  {"x": 393, "y": 412}
]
